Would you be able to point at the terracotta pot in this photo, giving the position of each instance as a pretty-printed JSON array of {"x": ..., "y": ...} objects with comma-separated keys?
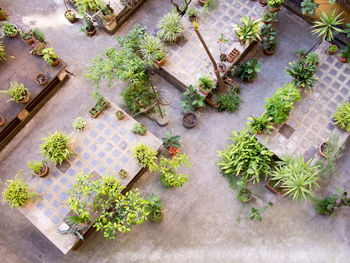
[
  {"x": 95, "y": 115},
  {"x": 43, "y": 172},
  {"x": 263, "y": 2},
  {"x": 271, "y": 188},
  {"x": 55, "y": 63},
  {"x": 161, "y": 63},
  {"x": 26, "y": 99},
  {"x": 3, "y": 15},
  {"x": 42, "y": 76},
  {"x": 71, "y": 20},
  {"x": 90, "y": 33},
  {"x": 320, "y": 149},
  {"x": 203, "y": 91},
  {"x": 29, "y": 41},
  {"x": 2, "y": 121},
  {"x": 189, "y": 120},
  {"x": 201, "y": 2},
  {"x": 109, "y": 17},
  {"x": 274, "y": 10},
  {"x": 269, "y": 53},
  {"x": 343, "y": 60},
  {"x": 192, "y": 18},
  {"x": 121, "y": 116}
]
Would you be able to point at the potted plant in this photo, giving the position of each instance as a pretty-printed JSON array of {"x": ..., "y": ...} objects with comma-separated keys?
[
  {"x": 344, "y": 57},
  {"x": 160, "y": 58},
  {"x": 27, "y": 36},
  {"x": 120, "y": 115},
  {"x": 38, "y": 35},
  {"x": 269, "y": 17},
  {"x": 171, "y": 143},
  {"x": 56, "y": 147},
  {"x": 303, "y": 74},
  {"x": 249, "y": 30},
  {"x": 89, "y": 27},
  {"x": 70, "y": 15},
  {"x": 9, "y": 29},
  {"x": 248, "y": 71},
  {"x": 3, "y": 15},
  {"x": 38, "y": 48},
  {"x": 206, "y": 85},
  {"x": 229, "y": 102},
  {"x": 269, "y": 40},
  {"x": 40, "y": 79},
  {"x": 2, "y": 120},
  {"x": 260, "y": 125},
  {"x": 123, "y": 173},
  {"x": 189, "y": 120},
  {"x": 170, "y": 28},
  {"x": 108, "y": 13},
  {"x": 332, "y": 49},
  {"x": 79, "y": 124},
  {"x": 155, "y": 209},
  {"x": 328, "y": 205},
  {"x": 272, "y": 186},
  {"x": 342, "y": 116},
  {"x": 274, "y": 5},
  {"x": 38, "y": 168},
  {"x": 17, "y": 192},
  {"x": 50, "y": 56},
  {"x": 192, "y": 13},
  {"x": 193, "y": 100},
  {"x": 263, "y": 2},
  {"x": 139, "y": 129},
  {"x": 151, "y": 50},
  {"x": 100, "y": 106},
  {"x": 145, "y": 156},
  {"x": 17, "y": 92}
]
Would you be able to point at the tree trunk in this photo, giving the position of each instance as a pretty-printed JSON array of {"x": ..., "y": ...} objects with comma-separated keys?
[
  {"x": 183, "y": 12},
  {"x": 221, "y": 83}
]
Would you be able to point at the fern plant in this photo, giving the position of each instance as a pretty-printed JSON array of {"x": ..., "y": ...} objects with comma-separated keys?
[
  {"x": 16, "y": 91},
  {"x": 170, "y": 28},
  {"x": 342, "y": 116},
  {"x": 149, "y": 48},
  {"x": 56, "y": 147}
]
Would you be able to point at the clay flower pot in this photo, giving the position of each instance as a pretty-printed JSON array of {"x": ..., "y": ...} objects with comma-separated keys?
[
  {"x": 44, "y": 171},
  {"x": 90, "y": 33},
  {"x": 41, "y": 79},
  {"x": 120, "y": 115},
  {"x": 343, "y": 60},
  {"x": 268, "y": 52},
  {"x": 55, "y": 63},
  {"x": 274, "y": 10},
  {"x": 29, "y": 41},
  {"x": 201, "y": 2},
  {"x": 321, "y": 149},
  {"x": 70, "y": 16},
  {"x": 161, "y": 63},
  {"x": 3, "y": 15},
  {"x": 2, "y": 121},
  {"x": 26, "y": 99},
  {"x": 193, "y": 18}
]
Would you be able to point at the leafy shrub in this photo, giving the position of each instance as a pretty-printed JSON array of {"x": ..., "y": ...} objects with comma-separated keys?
[
  {"x": 56, "y": 147},
  {"x": 269, "y": 17},
  {"x": 193, "y": 100},
  {"x": 149, "y": 48},
  {"x": 309, "y": 7},
  {"x": 229, "y": 102},
  {"x": 170, "y": 28},
  {"x": 35, "y": 166},
  {"x": 154, "y": 209},
  {"x": 248, "y": 70},
  {"x": 327, "y": 205},
  {"x": 85, "y": 5},
  {"x": 16, "y": 91},
  {"x": 38, "y": 35},
  {"x": 139, "y": 128},
  {"x": 303, "y": 74},
  {"x": 246, "y": 157},
  {"x": 138, "y": 97},
  {"x": 146, "y": 156},
  {"x": 206, "y": 83},
  {"x": 170, "y": 140},
  {"x": 275, "y": 3},
  {"x": 9, "y": 29},
  {"x": 296, "y": 177},
  {"x": 342, "y": 116},
  {"x": 49, "y": 55},
  {"x": 192, "y": 12},
  {"x": 279, "y": 106},
  {"x": 79, "y": 123},
  {"x": 345, "y": 53},
  {"x": 16, "y": 192},
  {"x": 249, "y": 30},
  {"x": 262, "y": 124},
  {"x": 133, "y": 39},
  {"x": 168, "y": 170}
]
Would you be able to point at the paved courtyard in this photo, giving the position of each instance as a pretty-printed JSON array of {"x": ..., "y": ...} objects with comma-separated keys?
[{"x": 200, "y": 218}]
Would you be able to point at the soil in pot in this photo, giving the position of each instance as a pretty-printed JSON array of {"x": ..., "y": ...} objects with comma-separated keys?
[
  {"x": 192, "y": 18},
  {"x": 95, "y": 112},
  {"x": 41, "y": 79},
  {"x": 160, "y": 63},
  {"x": 189, "y": 120}
]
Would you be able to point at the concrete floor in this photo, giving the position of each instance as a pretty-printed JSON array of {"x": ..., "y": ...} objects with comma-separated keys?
[{"x": 200, "y": 219}]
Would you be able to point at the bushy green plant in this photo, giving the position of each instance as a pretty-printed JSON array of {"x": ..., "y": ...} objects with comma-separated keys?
[
  {"x": 16, "y": 192},
  {"x": 49, "y": 55},
  {"x": 118, "y": 212},
  {"x": 206, "y": 83},
  {"x": 327, "y": 24},
  {"x": 309, "y": 7},
  {"x": 345, "y": 53},
  {"x": 244, "y": 194},
  {"x": 333, "y": 48},
  {"x": 85, "y": 5},
  {"x": 9, "y": 29},
  {"x": 16, "y": 91},
  {"x": 246, "y": 157},
  {"x": 269, "y": 17},
  {"x": 145, "y": 156},
  {"x": 170, "y": 28},
  {"x": 275, "y": 3},
  {"x": 170, "y": 140},
  {"x": 248, "y": 70},
  {"x": 56, "y": 147},
  {"x": 154, "y": 209},
  {"x": 35, "y": 166},
  {"x": 229, "y": 102},
  {"x": 296, "y": 177},
  {"x": 192, "y": 12},
  {"x": 79, "y": 124},
  {"x": 38, "y": 35},
  {"x": 262, "y": 124},
  {"x": 138, "y": 97},
  {"x": 139, "y": 128},
  {"x": 193, "y": 100},
  {"x": 342, "y": 116},
  {"x": 149, "y": 47},
  {"x": 269, "y": 38},
  {"x": 100, "y": 102},
  {"x": 303, "y": 74},
  {"x": 209, "y": 4},
  {"x": 133, "y": 39},
  {"x": 249, "y": 30},
  {"x": 327, "y": 205},
  {"x": 168, "y": 170},
  {"x": 89, "y": 24},
  {"x": 26, "y": 35},
  {"x": 2, "y": 51},
  {"x": 281, "y": 103}
]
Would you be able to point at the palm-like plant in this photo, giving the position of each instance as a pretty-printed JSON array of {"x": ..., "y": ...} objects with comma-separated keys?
[
  {"x": 262, "y": 124},
  {"x": 303, "y": 74},
  {"x": 149, "y": 47},
  {"x": 249, "y": 30},
  {"x": 296, "y": 177},
  {"x": 170, "y": 28},
  {"x": 326, "y": 27}
]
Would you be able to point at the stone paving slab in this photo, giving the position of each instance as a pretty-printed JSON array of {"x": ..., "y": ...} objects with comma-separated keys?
[
  {"x": 311, "y": 117},
  {"x": 103, "y": 148},
  {"x": 187, "y": 60}
]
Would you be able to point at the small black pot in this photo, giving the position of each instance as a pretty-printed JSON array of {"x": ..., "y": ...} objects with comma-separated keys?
[{"x": 189, "y": 120}]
